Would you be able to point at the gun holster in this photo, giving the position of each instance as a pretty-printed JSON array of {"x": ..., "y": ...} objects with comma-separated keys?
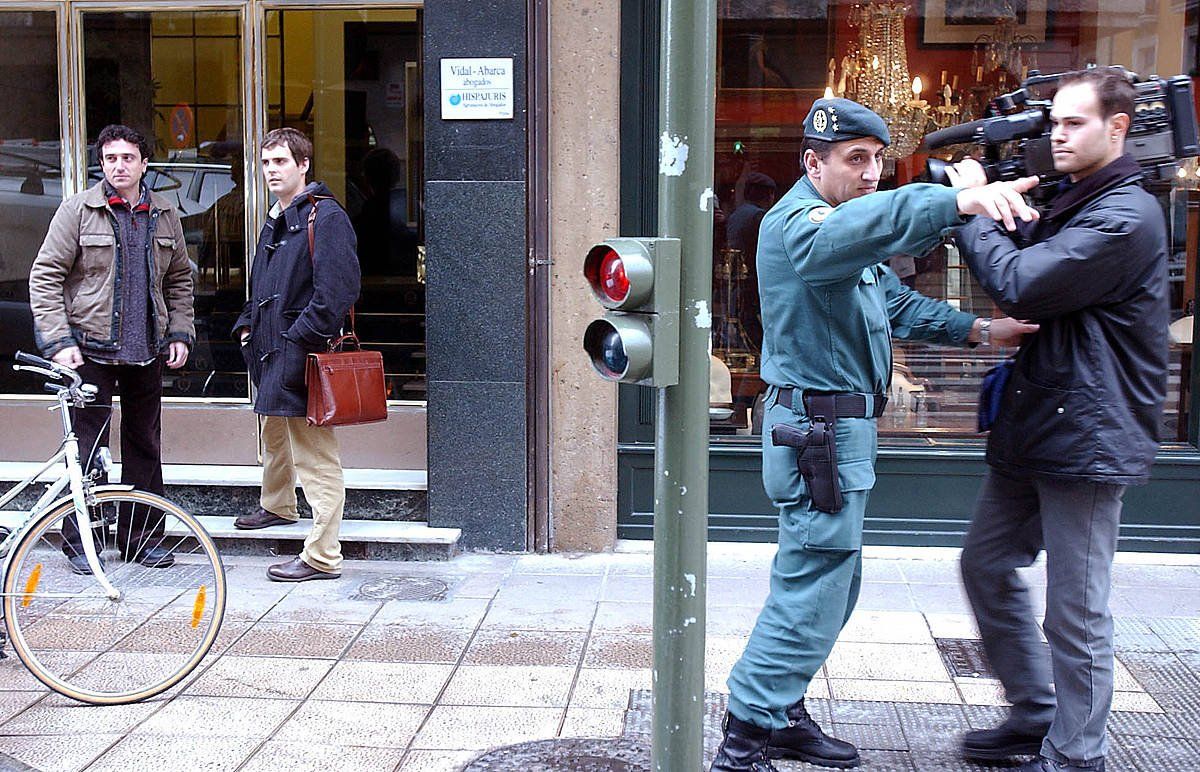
[{"x": 816, "y": 457}]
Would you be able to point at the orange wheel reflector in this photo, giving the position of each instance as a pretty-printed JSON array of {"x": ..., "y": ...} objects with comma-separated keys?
[
  {"x": 31, "y": 584},
  {"x": 198, "y": 607}
]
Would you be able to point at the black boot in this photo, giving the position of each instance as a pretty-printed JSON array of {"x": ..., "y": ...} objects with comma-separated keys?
[
  {"x": 803, "y": 740},
  {"x": 743, "y": 749},
  {"x": 1003, "y": 742}
]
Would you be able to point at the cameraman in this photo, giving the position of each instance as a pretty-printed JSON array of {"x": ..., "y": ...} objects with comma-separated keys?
[
  {"x": 829, "y": 311},
  {"x": 1078, "y": 423}
]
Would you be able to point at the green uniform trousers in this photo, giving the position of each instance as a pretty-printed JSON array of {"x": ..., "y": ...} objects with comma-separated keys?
[{"x": 815, "y": 576}]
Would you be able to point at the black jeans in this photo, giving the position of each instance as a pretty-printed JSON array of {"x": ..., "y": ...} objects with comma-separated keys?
[{"x": 140, "y": 390}]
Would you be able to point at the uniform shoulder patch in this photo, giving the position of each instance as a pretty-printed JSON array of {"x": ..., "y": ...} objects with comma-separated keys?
[{"x": 817, "y": 215}]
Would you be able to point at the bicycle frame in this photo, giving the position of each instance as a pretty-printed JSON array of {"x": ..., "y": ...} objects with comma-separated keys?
[{"x": 71, "y": 477}]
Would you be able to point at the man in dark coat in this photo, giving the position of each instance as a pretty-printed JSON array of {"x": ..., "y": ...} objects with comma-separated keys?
[
  {"x": 298, "y": 301},
  {"x": 1078, "y": 422}
]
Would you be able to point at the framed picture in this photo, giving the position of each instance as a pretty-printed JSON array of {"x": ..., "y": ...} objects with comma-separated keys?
[{"x": 958, "y": 22}]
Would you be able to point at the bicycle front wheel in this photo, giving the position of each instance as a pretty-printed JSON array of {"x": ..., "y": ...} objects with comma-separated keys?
[{"x": 82, "y": 643}]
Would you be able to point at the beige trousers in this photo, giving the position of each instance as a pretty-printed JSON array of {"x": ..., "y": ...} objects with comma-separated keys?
[{"x": 292, "y": 449}]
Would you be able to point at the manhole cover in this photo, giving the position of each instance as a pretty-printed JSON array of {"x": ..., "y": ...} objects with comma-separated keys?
[
  {"x": 964, "y": 658},
  {"x": 609, "y": 755},
  {"x": 403, "y": 588}
]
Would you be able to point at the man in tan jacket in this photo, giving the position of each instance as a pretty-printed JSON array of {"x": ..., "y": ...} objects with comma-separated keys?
[{"x": 111, "y": 292}]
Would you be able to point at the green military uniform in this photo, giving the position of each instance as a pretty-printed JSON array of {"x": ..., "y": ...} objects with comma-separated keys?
[{"x": 829, "y": 312}]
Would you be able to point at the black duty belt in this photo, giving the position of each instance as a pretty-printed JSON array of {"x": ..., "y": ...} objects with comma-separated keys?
[{"x": 842, "y": 404}]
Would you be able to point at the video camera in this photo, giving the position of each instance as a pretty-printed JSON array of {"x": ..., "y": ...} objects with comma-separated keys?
[{"x": 1015, "y": 132}]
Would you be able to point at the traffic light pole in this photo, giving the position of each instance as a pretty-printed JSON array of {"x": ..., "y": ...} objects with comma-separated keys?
[{"x": 685, "y": 211}]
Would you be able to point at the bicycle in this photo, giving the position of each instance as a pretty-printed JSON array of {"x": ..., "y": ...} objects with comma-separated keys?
[{"x": 119, "y": 630}]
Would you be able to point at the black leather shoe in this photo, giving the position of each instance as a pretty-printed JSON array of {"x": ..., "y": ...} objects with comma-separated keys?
[
  {"x": 260, "y": 519},
  {"x": 79, "y": 564},
  {"x": 296, "y": 570},
  {"x": 1044, "y": 764},
  {"x": 803, "y": 740},
  {"x": 743, "y": 749},
  {"x": 152, "y": 557},
  {"x": 1003, "y": 742}
]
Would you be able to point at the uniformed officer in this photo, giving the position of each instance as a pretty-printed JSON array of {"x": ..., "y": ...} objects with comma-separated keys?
[{"x": 829, "y": 312}]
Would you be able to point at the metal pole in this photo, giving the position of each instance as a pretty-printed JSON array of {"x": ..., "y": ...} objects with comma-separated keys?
[{"x": 685, "y": 204}]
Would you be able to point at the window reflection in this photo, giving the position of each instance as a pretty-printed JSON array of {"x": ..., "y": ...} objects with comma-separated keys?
[
  {"x": 176, "y": 76},
  {"x": 30, "y": 172},
  {"x": 774, "y": 59},
  {"x": 351, "y": 80}
]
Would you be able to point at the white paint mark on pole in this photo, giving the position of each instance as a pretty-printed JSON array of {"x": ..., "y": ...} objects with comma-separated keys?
[
  {"x": 703, "y": 315},
  {"x": 672, "y": 155},
  {"x": 691, "y": 580},
  {"x": 706, "y": 200}
]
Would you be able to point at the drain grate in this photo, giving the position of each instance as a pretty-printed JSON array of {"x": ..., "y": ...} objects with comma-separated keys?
[
  {"x": 403, "y": 588},
  {"x": 577, "y": 755},
  {"x": 964, "y": 657}
]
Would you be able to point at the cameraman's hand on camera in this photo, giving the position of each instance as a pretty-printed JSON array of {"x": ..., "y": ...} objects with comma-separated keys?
[
  {"x": 1006, "y": 331},
  {"x": 1001, "y": 201},
  {"x": 967, "y": 173}
]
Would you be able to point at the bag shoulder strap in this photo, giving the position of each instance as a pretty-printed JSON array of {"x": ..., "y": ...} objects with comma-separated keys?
[{"x": 312, "y": 244}]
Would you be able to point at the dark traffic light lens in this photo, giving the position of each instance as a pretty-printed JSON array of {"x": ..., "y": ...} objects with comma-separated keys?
[
  {"x": 613, "y": 280},
  {"x": 613, "y": 359}
]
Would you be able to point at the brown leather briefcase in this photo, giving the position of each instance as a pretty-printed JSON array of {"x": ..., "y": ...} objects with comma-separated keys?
[{"x": 345, "y": 387}]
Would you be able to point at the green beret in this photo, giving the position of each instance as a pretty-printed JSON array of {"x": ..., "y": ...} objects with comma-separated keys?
[{"x": 836, "y": 119}]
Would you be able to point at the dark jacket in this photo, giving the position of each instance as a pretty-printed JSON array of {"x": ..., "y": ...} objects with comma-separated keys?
[
  {"x": 1087, "y": 391},
  {"x": 296, "y": 303},
  {"x": 73, "y": 286}
]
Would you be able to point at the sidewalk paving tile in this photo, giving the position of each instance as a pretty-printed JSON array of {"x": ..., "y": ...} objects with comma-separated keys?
[
  {"x": 43, "y": 752},
  {"x": 278, "y": 677},
  {"x": 625, "y": 617},
  {"x": 188, "y": 716},
  {"x": 566, "y": 564},
  {"x": 384, "y": 682},
  {"x": 365, "y": 724},
  {"x": 947, "y": 625},
  {"x": 593, "y": 722},
  {"x": 405, "y": 643},
  {"x": 887, "y": 627},
  {"x": 479, "y": 586},
  {"x": 607, "y": 687},
  {"x": 625, "y": 650},
  {"x": 526, "y": 647},
  {"x": 905, "y": 662},
  {"x": 453, "y": 727},
  {"x": 146, "y": 753},
  {"x": 628, "y": 589},
  {"x": 54, "y": 716},
  {"x": 302, "y": 756},
  {"x": 885, "y": 596},
  {"x": 462, "y": 613},
  {"x": 735, "y": 621},
  {"x": 297, "y": 607},
  {"x": 12, "y": 703},
  {"x": 893, "y": 691},
  {"x": 436, "y": 761},
  {"x": 509, "y": 686},
  {"x": 296, "y": 639}
]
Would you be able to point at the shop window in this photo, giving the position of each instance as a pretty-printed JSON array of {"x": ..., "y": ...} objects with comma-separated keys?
[
  {"x": 31, "y": 183},
  {"x": 176, "y": 76},
  {"x": 351, "y": 80},
  {"x": 775, "y": 58}
]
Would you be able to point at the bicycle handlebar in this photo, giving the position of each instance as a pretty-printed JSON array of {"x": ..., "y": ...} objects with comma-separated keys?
[{"x": 49, "y": 369}]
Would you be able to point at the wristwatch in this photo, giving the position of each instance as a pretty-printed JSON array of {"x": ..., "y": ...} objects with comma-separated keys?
[{"x": 985, "y": 332}]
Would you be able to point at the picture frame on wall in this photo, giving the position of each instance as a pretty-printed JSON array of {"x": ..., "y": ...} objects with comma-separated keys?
[{"x": 964, "y": 22}]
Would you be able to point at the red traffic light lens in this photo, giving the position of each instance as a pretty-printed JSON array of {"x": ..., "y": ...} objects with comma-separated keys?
[{"x": 611, "y": 279}]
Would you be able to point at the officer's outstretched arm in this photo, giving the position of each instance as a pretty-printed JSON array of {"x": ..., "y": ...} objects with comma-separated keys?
[{"x": 1001, "y": 201}]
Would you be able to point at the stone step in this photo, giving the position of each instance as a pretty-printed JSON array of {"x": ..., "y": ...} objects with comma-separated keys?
[
  {"x": 361, "y": 539},
  {"x": 385, "y": 495}
]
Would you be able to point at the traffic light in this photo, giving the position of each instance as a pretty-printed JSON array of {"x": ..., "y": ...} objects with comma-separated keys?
[{"x": 637, "y": 341}]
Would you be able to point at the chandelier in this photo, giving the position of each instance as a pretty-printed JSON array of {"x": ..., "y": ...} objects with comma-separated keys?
[
  {"x": 875, "y": 73},
  {"x": 1001, "y": 57}
]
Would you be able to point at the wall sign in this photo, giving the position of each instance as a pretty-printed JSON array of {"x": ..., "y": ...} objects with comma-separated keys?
[{"x": 477, "y": 89}]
